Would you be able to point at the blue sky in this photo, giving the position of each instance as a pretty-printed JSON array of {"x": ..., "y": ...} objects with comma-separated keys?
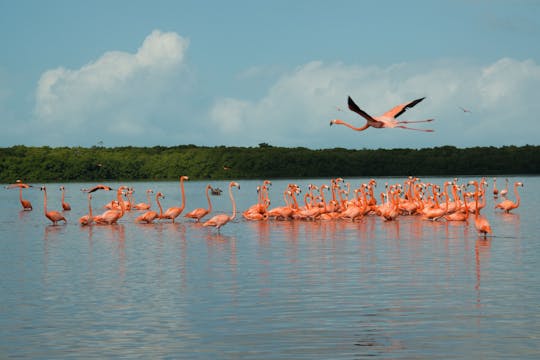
[{"x": 241, "y": 73}]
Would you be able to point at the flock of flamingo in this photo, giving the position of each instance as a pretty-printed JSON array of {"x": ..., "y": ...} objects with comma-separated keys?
[
  {"x": 412, "y": 197},
  {"x": 336, "y": 200}
]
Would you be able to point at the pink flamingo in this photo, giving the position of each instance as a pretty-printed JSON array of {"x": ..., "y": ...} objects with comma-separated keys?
[
  {"x": 65, "y": 205},
  {"x": 386, "y": 120},
  {"x": 112, "y": 216},
  {"x": 87, "y": 219},
  {"x": 173, "y": 212},
  {"x": 508, "y": 205},
  {"x": 142, "y": 205},
  {"x": 97, "y": 187},
  {"x": 221, "y": 219},
  {"x": 149, "y": 216},
  {"x": 199, "y": 213},
  {"x": 481, "y": 223},
  {"x": 27, "y": 205},
  {"x": 52, "y": 215}
]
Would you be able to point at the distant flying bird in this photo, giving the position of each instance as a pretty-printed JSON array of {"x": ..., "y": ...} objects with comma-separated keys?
[
  {"x": 386, "y": 120},
  {"x": 465, "y": 110}
]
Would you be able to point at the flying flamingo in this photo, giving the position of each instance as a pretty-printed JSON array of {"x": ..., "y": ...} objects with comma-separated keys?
[
  {"x": 87, "y": 219},
  {"x": 221, "y": 219},
  {"x": 508, "y": 205},
  {"x": 27, "y": 205},
  {"x": 52, "y": 215},
  {"x": 149, "y": 216},
  {"x": 480, "y": 222},
  {"x": 386, "y": 120},
  {"x": 199, "y": 213},
  {"x": 97, "y": 187},
  {"x": 112, "y": 216},
  {"x": 173, "y": 212},
  {"x": 65, "y": 205}
]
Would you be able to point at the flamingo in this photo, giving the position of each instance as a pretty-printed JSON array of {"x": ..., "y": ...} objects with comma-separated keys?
[
  {"x": 142, "y": 205},
  {"x": 508, "y": 205},
  {"x": 504, "y": 191},
  {"x": 221, "y": 219},
  {"x": 460, "y": 214},
  {"x": 386, "y": 120},
  {"x": 495, "y": 190},
  {"x": 149, "y": 216},
  {"x": 52, "y": 215},
  {"x": 173, "y": 212},
  {"x": 65, "y": 205},
  {"x": 112, "y": 216},
  {"x": 481, "y": 223},
  {"x": 88, "y": 218},
  {"x": 199, "y": 213},
  {"x": 98, "y": 187},
  {"x": 27, "y": 205}
]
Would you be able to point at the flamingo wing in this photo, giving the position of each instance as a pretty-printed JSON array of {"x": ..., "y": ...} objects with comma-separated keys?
[
  {"x": 356, "y": 109},
  {"x": 400, "y": 109}
]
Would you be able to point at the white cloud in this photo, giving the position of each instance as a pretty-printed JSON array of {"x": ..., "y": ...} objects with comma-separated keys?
[
  {"x": 297, "y": 108},
  {"x": 118, "y": 92}
]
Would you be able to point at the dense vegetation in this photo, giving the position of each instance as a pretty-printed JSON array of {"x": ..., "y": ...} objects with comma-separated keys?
[{"x": 166, "y": 163}]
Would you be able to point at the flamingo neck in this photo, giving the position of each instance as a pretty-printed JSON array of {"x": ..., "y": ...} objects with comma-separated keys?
[
  {"x": 159, "y": 205},
  {"x": 44, "y": 200},
  {"x": 89, "y": 207},
  {"x": 233, "y": 202},
  {"x": 183, "y": 193},
  {"x": 208, "y": 187},
  {"x": 120, "y": 201}
]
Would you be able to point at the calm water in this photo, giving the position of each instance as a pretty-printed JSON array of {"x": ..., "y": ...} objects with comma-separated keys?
[{"x": 409, "y": 289}]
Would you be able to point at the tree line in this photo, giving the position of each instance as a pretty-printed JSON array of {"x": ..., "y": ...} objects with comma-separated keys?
[{"x": 98, "y": 163}]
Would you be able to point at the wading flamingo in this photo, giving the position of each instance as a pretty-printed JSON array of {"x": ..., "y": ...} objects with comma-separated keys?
[
  {"x": 110, "y": 217},
  {"x": 386, "y": 120},
  {"x": 65, "y": 205},
  {"x": 508, "y": 205},
  {"x": 149, "y": 216},
  {"x": 27, "y": 205},
  {"x": 495, "y": 190},
  {"x": 142, "y": 205},
  {"x": 221, "y": 219},
  {"x": 199, "y": 213},
  {"x": 87, "y": 219},
  {"x": 173, "y": 212},
  {"x": 480, "y": 222},
  {"x": 504, "y": 191},
  {"x": 52, "y": 215}
]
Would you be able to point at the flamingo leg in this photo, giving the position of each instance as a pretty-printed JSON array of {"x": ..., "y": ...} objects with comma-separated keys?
[
  {"x": 414, "y": 121},
  {"x": 409, "y": 128}
]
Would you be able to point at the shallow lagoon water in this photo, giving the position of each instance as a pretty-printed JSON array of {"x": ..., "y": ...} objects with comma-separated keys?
[{"x": 409, "y": 289}]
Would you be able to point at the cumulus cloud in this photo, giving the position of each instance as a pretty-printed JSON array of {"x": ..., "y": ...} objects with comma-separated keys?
[
  {"x": 297, "y": 108},
  {"x": 118, "y": 92}
]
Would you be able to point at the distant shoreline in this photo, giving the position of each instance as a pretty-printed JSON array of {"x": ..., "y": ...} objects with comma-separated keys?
[{"x": 161, "y": 163}]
